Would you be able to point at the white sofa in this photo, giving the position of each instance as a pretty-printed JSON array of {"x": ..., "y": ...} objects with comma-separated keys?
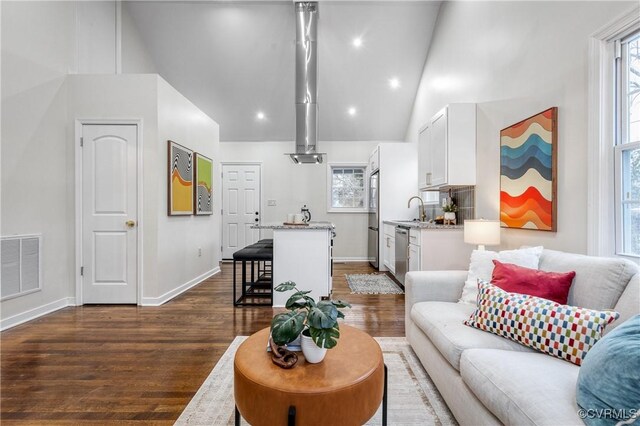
[{"x": 487, "y": 379}]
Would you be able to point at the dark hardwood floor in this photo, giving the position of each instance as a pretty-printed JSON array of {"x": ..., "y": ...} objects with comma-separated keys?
[{"x": 129, "y": 364}]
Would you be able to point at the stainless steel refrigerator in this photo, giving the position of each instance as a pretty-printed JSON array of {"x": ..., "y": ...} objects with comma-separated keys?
[{"x": 374, "y": 204}]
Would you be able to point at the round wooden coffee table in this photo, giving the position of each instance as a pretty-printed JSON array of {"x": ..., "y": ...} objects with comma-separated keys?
[{"x": 346, "y": 388}]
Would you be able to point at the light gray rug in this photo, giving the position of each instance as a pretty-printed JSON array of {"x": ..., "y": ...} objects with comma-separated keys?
[
  {"x": 412, "y": 397},
  {"x": 372, "y": 284}
]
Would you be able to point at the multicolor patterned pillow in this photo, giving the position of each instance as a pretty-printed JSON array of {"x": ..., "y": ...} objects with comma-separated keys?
[{"x": 566, "y": 332}]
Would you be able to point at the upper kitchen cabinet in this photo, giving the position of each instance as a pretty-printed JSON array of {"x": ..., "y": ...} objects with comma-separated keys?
[
  {"x": 447, "y": 148},
  {"x": 374, "y": 160}
]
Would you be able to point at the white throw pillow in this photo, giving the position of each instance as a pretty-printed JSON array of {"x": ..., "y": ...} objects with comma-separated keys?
[{"x": 481, "y": 267}]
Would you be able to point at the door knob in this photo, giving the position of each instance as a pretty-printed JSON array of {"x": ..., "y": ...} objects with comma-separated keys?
[
  {"x": 130, "y": 223},
  {"x": 256, "y": 213},
  {"x": 257, "y": 220}
]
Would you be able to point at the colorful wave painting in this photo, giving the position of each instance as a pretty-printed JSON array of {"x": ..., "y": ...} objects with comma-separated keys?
[
  {"x": 204, "y": 185},
  {"x": 527, "y": 173},
  {"x": 180, "y": 180}
]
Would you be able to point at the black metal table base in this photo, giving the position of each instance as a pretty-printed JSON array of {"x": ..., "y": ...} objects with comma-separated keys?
[
  {"x": 260, "y": 288},
  {"x": 291, "y": 415}
]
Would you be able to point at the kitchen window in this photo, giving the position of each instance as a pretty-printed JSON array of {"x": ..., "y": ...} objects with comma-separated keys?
[
  {"x": 627, "y": 148},
  {"x": 347, "y": 188}
]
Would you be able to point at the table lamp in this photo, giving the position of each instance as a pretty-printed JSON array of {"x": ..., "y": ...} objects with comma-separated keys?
[{"x": 482, "y": 232}]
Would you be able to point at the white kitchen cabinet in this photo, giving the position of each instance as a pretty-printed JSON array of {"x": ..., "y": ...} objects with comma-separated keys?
[
  {"x": 374, "y": 160},
  {"x": 447, "y": 148},
  {"x": 414, "y": 236},
  {"x": 302, "y": 255},
  {"x": 389, "y": 247},
  {"x": 438, "y": 250},
  {"x": 414, "y": 258}
]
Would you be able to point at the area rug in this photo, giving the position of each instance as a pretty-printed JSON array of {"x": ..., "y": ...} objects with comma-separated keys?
[
  {"x": 372, "y": 284},
  {"x": 412, "y": 397}
]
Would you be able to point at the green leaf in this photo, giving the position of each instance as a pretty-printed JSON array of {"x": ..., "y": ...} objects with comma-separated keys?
[
  {"x": 323, "y": 315},
  {"x": 286, "y": 286},
  {"x": 299, "y": 300},
  {"x": 340, "y": 315},
  {"x": 285, "y": 327},
  {"x": 325, "y": 337},
  {"x": 341, "y": 304}
]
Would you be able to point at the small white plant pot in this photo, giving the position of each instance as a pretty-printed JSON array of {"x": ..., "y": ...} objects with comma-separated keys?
[
  {"x": 450, "y": 216},
  {"x": 312, "y": 352}
]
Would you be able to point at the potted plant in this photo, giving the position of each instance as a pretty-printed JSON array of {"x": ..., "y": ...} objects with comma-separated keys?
[
  {"x": 450, "y": 210},
  {"x": 316, "y": 321}
]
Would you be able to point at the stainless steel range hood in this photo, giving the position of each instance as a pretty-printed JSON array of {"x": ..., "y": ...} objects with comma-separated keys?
[{"x": 306, "y": 15}]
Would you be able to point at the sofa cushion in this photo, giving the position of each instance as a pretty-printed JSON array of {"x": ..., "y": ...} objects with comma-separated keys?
[
  {"x": 522, "y": 388},
  {"x": 518, "y": 279},
  {"x": 609, "y": 376},
  {"x": 563, "y": 331},
  {"x": 599, "y": 281},
  {"x": 629, "y": 303},
  {"x": 481, "y": 267},
  {"x": 442, "y": 322}
]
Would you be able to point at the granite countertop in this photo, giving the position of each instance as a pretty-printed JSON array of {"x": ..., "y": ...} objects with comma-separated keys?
[
  {"x": 312, "y": 225},
  {"x": 421, "y": 225}
]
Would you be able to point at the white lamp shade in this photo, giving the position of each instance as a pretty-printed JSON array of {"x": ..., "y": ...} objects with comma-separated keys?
[{"x": 482, "y": 232}]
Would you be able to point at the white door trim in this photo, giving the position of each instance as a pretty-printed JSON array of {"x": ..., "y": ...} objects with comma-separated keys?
[
  {"x": 240, "y": 163},
  {"x": 79, "y": 122}
]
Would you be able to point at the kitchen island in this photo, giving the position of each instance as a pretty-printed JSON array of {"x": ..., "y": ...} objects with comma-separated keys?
[{"x": 302, "y": 254}]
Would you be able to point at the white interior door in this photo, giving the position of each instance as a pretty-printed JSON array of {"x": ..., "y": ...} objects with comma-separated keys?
[
  {"x": 240, "y": 206},
  {"x": 109, "y": 213}
]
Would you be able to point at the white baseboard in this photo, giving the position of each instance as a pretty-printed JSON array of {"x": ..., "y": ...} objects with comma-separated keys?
[
  {"x": 157, "y": 301},
  {"x": 350, "y": 259},
  {"x": 34, "y": 313}
]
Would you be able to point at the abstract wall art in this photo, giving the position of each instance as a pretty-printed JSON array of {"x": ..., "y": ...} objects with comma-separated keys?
[
  {"x": 528, "y": 161},
  {"x": 204, "y": 185},
  {"x": 180, "y": 180}
]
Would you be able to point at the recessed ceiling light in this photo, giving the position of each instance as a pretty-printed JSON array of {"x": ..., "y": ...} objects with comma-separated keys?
[
  {"x": 260, "y": 115},
  {"x": 394, "y": 83},
  {"x": 357, "y": 42},
  {"x": 352, "y": 111}
]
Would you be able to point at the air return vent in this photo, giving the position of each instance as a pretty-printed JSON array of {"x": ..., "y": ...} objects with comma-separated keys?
[{"x": 20, "y": 258}]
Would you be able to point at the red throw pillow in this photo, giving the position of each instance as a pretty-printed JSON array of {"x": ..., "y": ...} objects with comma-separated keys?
[{"x": 517, "y": 279}]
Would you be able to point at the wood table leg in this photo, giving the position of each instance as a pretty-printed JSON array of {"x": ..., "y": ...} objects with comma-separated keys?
[{"x": 384, "y": 398}]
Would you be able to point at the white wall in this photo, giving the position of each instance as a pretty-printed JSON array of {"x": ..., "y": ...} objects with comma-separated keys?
[
  {"x": 96, "y": 37},
  {"x": 516, "y": 59},
  {"x": 293, "y": 185},
  {"x": 135, "y": 56},
  {"x": 123, "y": 96},
  {"x": 38, "y": 50},
  {"x": 171, "y": 262},
  {"x": 180, "y": 237}
]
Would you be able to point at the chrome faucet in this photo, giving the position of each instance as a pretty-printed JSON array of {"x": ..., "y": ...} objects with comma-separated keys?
[{"x": 423, "y": 214}]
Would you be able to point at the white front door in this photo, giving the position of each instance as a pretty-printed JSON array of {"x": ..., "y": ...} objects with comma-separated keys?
[
  {"x": 109, "y": 213},
  {"x": 240, "y": 207}
]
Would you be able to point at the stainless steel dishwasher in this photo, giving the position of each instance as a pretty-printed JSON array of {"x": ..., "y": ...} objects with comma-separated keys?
[{"x": 402, "y": 251}]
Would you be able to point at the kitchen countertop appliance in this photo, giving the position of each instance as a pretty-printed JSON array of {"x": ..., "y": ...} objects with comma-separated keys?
[
  {"x": 402, "y": 253},
  {"x": 306, "y": 214}
]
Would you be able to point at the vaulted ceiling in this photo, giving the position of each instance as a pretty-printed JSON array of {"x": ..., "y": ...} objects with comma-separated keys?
[{"x": 236, "y": 59}]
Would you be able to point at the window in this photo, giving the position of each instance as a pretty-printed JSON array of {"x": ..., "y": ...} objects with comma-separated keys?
[
  {"x": 627, "y": 149},
  {"x": 347, "y": 186}
]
